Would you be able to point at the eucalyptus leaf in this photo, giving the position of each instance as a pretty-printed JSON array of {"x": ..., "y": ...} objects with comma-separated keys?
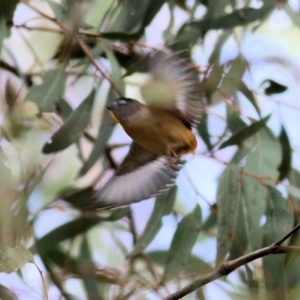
[
  {"x": 73, "y": 128},
  {"x": 182, "y": 244},
  {"x": 286, "y": 161},
  {"x": 228, "y": 198},
  {"x": 52, "y": 88},
  {"x": 163, "y": 206}
]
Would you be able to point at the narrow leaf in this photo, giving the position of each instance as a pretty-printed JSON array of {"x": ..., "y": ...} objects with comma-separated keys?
[
  {"x": 182, "y": 244},
  {"x": 243, "y": 134},
  {"x": 163, "y": 206},
  {"x": 279, "y": 221},
  {"x": 228, "y": 197},
  {"x": 52, "y": 88},
  {"x": 73, "y": 128},
  {"x": 286, "y": 162}
]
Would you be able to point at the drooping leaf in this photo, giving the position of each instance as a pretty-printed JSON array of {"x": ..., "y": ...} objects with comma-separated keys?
[
  {"x": 243, "y": 134},
  {"x": 73, "y": 128},
  {"x": 274, "y": 87},
  {"x": 264, "y": 158},
  {"x": 163, "y": 206},
  {"x": 240, "y": 238},
  {"x": 91, "y": 286},
  {"x": 239, "y": 17},
  {"x": 285, "y": 165},
  {"x": 234, "y": 121},
  {"x": 255, "y": 201},
  {"x": 52, "y": 88},
  {"x": 179, "y": 252},
  {"x": 233, "y": 78},
  {"x": 279, "y": 222},
  {"x": 250, "y": 96},
  {"x": 64, "y": 232},
  {"x": 211, "y": 220},
  {"x": 202, "y": 129},
  {"x": 228, "y": 198},
  {"x": 212, "y": 79}
]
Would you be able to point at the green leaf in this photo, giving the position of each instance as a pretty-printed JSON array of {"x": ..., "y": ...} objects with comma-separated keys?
[
  {"x": 135, "y": 15},
  {"x": 233, "y": 78},
  {"x": 211, "y": 220},
  {"x": 73, "y": 128},
  {"x": 234, "y": 121},
  {"x": 250, "y": 96},
  {"x": 59, "y": 10},
  {"x": 202, "y": 129},
  {"x": 240, "y": 238},
  {"x": 105, "y": 130},
  {"x": 228, "y": 198},
  {"x": 239, "y": 17},
  {"x": 274, "y": 87},
  {"x": 212, "y": 79},
  {"x": 216, "y": 54},
  {"x": 265, "y": 156},
  {"x": 7, "y": 9},
  {"x": 52, "y": 88},
  {"x": 182, "y": 244},
  {"x": 64, "y": 109},
  {"x": 193, "y": 265},
  {"x": 286, "y": 162},
  {"x": 279, "y": 222},
  {"x": 91, "y": 286},
  {"x": 255, "y": 201},
  {"x": 64, "y": 232},
  {"x": 243, "y": 134},
  {"x": 163, "y": 206}
]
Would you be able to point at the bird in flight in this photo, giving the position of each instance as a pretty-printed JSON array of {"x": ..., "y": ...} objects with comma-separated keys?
[{"x": 161, "y": 131}]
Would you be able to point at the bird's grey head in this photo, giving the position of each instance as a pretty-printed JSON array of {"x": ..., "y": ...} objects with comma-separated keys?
[{"x": 125, "y": 109}]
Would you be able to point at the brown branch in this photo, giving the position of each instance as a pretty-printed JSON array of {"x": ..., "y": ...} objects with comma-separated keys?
[
  {"x": 92, "y": 60},
  {"x": 232, "y": 265}
]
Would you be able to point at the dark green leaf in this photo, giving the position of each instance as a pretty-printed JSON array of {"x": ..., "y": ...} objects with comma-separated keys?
[
  {"x": 286, "y": 162},
  {"x": 216, "y": 54},
  {"x": 202, "y": 129},
  {"x": 242, "y": 135},
  {"x": 240, "y": 17},
  {"x": 179, "y": 252},
  {"x": 66, "y": 231},
  {"x": 163, "y": 206},
  {"x": 279, "y": 221},
  {"x": 7, "y": 9},
  {"x": 64, "y": 109},
  {"x": 73, "y": 128},
  {"x": 212, "y": 79},
  {"x": 228, "y": 198},
  {"x": 52, "y": 88},
  {"x": 274, "y": 87}
]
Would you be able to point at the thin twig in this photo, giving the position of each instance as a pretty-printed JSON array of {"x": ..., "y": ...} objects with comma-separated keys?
[
  {"x": 92, "y": 60},
  {"x": 232, "y": 265}
]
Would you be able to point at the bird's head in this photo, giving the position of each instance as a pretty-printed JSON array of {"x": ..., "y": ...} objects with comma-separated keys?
[{"x": 125, "y": 109}]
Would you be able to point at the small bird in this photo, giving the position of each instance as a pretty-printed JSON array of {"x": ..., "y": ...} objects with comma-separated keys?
[{"x": 161, "y": 131}]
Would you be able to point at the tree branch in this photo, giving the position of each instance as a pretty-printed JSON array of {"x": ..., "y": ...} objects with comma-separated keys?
[{"x": 232, "y": 265}]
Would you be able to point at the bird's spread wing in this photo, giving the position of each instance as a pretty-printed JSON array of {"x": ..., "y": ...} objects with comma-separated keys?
[
  {"x": 174, "y": 86},
  {"x": 141, "y": 175}
]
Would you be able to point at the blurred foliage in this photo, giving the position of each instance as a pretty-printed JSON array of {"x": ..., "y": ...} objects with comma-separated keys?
[{"x": 96, "y": 45}]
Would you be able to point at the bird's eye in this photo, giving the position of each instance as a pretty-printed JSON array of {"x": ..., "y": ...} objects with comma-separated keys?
[{"x": 123, "y": 101}]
